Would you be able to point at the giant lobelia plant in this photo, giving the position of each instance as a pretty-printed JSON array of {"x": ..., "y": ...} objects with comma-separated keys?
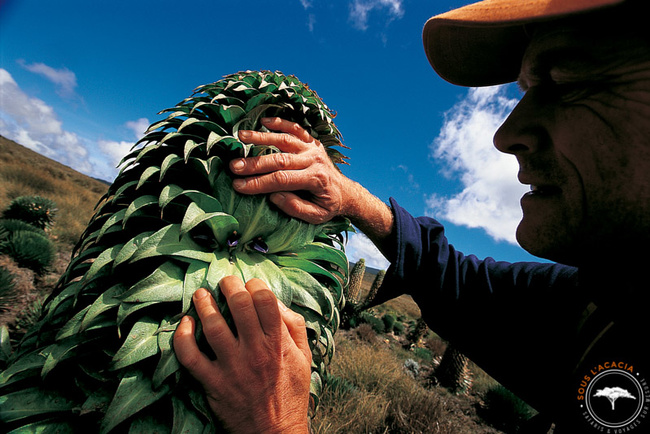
[{"x": 101, "y": 357}]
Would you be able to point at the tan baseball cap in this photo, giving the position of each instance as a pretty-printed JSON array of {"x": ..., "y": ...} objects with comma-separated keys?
[{"x": 482, "y": 44}]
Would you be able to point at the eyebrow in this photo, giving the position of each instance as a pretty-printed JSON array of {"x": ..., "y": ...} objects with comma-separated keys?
[{"x": 565, "y": 58}]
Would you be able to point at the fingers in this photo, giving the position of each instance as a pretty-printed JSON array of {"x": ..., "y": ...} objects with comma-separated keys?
[
  {"x": 187, "y": 351},
  {"x": 297, "y": 328},
  {"x": 266, "y": 305},
  {"x": 295, "y": 206},
  {"x": 215, "y": 328},
  {"x": 242, "y": 308}
]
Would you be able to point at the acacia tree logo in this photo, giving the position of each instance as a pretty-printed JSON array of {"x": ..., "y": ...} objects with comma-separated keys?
[
  {"x": 614, "y": 393},
  {"x": 626, "y": 399}
]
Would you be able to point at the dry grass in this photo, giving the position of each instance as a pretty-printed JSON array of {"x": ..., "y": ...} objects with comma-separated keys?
[
  {"x": 370, "y": 392},
  {"x": 27, "y": 173}
]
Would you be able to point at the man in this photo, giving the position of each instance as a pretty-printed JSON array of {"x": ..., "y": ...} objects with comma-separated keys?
[{"x": 562, "y": 337}]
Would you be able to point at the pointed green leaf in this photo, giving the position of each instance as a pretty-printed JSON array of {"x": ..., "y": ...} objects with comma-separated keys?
[
  {"x": 107, "y": 300},
  {"x": 140, "y": 343},
  {"x": 185, "y": 419},
  {"x": 25, "y": 363},
  {"x": 190, "y": 145},
  {"x": 146, "y": 174},
  {"x": 73, "y": 325},
  {"x": 111, "y": 221},
  {"x": 255, "y": 265},
  {"x": 5, "y": 343},
  {"x": 163, "y": 285},
  {"x": 220, "y": 267},
  {"x": 195, "y": 278},
  {"x": 168, "y": 364},
  {"x": 120, "y": 191},
  {"x": 139, "y": 203},
  {"x": 168, "y": 242},
  {"x": 64, "y": 349},
  {"x": 130, "y": 247},
  {"x": 127, "y": 309},
  {"x": 310, "y": 291},
  {"x": 105, "y": 258},
  {"x": 168, "y": 194},
  {"x": 32, "y": 402},
  {"x": 134, "y": 393},
  {"x": 168, "y": 162}
]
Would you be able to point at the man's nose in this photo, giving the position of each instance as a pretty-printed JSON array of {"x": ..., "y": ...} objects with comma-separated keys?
[{"x": 523, "y": 130}]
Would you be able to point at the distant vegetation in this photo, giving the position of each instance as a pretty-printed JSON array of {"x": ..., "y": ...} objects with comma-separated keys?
[
  {"x": 382, "y": 378},
  {"x": 24, "y": 172}
]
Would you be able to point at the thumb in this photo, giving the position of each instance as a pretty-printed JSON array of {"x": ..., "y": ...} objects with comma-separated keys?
[{"x": 295, "y": 206}]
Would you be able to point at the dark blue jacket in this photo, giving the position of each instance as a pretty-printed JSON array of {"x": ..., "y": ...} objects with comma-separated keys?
[{"x": 539, "y": 329}]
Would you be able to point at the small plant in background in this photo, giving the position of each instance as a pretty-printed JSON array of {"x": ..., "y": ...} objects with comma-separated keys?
[
  {"x": 389, "y": 322},
  {"x": 30, "y": 250},
  {"x": 356, "y": 279},
  {"x": 35, "y": 210},
  {"x": 353, "y": 313},
  {"x": 374, "y": 289},
  {"x": 505, "y": 411},
  {"x": 9, "y": 226},
  {"x": 454, "y": 373}
]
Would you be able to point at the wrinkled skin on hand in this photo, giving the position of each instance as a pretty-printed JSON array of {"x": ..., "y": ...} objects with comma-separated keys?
[
  {"x": 264, "y": 369},
  {"x": 303, "y": 166},
  {"x": 305, "y": 184}
]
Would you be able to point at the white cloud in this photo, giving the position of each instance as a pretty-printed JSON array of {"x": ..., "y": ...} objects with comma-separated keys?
[
  {"x": 491, "y": 192},
  {"x": 34, "y": 124},
  {"x": 360, "y": 10},
  {"x": 359, "y": 246},
  {"x": 64, "y": 79},
  {"x": 115, "y": 151}
]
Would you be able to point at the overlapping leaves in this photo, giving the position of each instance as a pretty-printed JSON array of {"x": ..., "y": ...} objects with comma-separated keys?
[{"x": 171, "y": 223}]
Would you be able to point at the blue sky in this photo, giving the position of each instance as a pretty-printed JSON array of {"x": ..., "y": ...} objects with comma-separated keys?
[{"x": 80, "y": 81}]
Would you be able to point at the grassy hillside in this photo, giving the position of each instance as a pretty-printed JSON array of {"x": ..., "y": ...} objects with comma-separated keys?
[{"x": 24, "y": 172}]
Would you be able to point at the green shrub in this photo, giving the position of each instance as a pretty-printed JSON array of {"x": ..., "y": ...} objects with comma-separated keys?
[
  {"x": 7, "y": 289},
  {"x": 505, "y": 411},
  {"x": 389, "y": 322},
  {"x": 9, "y": 226},
  {"x": 35, "y": 210},
  {"x": 30, "y": 250},
  {"x": 376, "y": 323},
  {"x": 423, "y": 354},
  {"x": 398, "y": 328}
]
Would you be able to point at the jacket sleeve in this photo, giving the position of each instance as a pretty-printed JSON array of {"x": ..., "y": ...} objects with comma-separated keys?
[{"x": 511, "y": 319}]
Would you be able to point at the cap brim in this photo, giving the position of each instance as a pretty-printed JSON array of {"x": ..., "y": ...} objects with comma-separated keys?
[{"x": 482, "y": 44}]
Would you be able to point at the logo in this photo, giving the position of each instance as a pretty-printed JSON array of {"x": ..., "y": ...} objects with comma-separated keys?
[{"x": 613, "y": 398}]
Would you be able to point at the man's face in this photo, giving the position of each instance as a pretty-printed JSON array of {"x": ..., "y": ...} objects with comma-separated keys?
[{"x": 581, "y": 135}]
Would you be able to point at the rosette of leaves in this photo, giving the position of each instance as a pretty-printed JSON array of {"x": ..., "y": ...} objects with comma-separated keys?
[
  {"x": 35, "y": 210},
  {"x": 101, "y": 356}
]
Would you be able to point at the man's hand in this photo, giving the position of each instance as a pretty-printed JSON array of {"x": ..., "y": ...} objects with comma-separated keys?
[
  {"x": 303, "y": 166},
  {"x": 260, "y": 379}
]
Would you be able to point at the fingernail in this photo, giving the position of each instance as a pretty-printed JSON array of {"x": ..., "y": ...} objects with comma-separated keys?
[
  {"x": 239, "y": 183},
  {"x": 244, "y": 134},
  {"x": 238, "y": 164},
  {"x": 267, "y": 120},
  {"x": 200, "y": 293},
  {"x": 185, "y": 319},
  {"x": 278, "y": 197},
  {"x": 282, "y": 306}
]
